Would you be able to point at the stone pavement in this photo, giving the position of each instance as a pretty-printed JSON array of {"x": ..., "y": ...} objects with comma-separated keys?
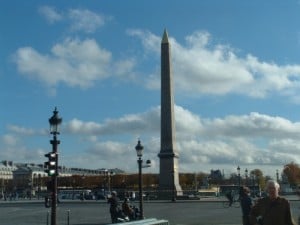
[{"x": 206, "y": 211}]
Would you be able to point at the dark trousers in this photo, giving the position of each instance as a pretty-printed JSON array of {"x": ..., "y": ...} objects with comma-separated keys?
[
  {"x": 246, "y": 220},
  {"x": 114, "y": 215}
]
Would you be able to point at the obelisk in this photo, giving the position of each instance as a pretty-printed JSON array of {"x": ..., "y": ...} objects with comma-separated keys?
[{"x": 168, "y": 175}]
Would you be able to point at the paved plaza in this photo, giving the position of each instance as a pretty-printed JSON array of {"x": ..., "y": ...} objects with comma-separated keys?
[{"x": 97, "y": 213}]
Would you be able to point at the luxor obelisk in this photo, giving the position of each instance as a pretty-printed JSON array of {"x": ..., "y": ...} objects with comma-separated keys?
[{"x": 168, "y": 175}]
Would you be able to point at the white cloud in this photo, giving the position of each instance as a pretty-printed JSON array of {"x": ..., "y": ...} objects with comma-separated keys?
[
  {"x": 25, "y": 131},
  {"x": 80, "y": 20},
  {"x": 85, "y": 20},
  {"x": 147, "y": 122},
  {"x": 254, "y": 125},
  {"x": 203, "y": 144},
  {"x": 78, "y": 126},
  {"x": 247, "y": 140},
  {"x": 285, "y": 146},
  {"x": 150, "y": 41},
  {"x": 13, "y": 147},
  {"x": 199, "y": 68},
  {"x": 9, "y": 140},
  {"x": 50, "y": 13},
  {"x": 202, "y": 67},
  {"x": 73, "y": 62}
]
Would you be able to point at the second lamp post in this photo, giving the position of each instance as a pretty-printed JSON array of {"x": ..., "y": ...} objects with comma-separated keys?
[
  {"x": 239, "y": 176},
  {"x": 139, "y": 151},
  {"x": 54, "y": 121}
]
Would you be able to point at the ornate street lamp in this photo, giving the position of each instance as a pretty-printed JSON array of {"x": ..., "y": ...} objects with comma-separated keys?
[
  {"x": 54, "y": 122},
  {"x": 108, "y": 176},
  {"x": 252, "y": 176},
  {"x": 246, "y": 176},
  {"x": 239, "y": 176},
  {"x": 139, "y": 152},
  {"x": 173, "y": 189}
]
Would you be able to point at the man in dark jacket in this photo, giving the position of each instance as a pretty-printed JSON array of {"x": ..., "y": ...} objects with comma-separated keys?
[
  {"x": 246, "y": 204},
  {"x": 114, "y": 207},
  {"x": 273, "y": 209}
]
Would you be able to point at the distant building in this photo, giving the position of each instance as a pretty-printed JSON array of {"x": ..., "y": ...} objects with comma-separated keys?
[
  {"x": 6, "y": 174},
  {"x": 29, "y": 178},
  {"x": 216, "y": 175},
  {"x": 6, "y": 170}
]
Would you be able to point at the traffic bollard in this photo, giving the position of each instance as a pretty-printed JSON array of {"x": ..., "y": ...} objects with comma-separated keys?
[
  {"x": 68, "y": 217},
  {"x": 47, "y": 219}
]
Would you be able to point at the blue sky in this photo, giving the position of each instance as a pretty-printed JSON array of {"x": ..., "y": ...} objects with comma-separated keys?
[{"x": 236, "y": 68}]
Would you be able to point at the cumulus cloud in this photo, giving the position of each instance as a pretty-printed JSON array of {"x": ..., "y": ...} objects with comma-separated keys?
[
  {"x": 251, "y": 139},
  {"x": 80, "y": 20},
  {"x": 9, "y": 140},
  {"x": 256, "y": 124},
  {"x": 203, "y": 67},
  {"x": 286, "y": 146},
  {"x": 23, "y": 154},
  {"x": 200, "y": 67},
  {"x": 85, "y": 20},
  {"x": 75, "y": 63},
  {"x": 78, "y": 126},
  {"x": 25, "y": 131},
  {"x": 13, "y": 146},
  {"x": 132, "y": 124},
  {"x": 50, "y": 13}
]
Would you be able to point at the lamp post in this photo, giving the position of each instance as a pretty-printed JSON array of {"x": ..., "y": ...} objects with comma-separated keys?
[
  {"x": 139, "y": 151},
  {"x": 108, "y": 176},
  {"x": 277, "y": 176},
  {"x": 239, "y": 176},
  {"x": 173, "y": 188},
  {"x": 39, "y": 186},
  {"x": 54, "y": 122},
  {"x": 246, "y": 176},
  {"x": 252, "y": 176}
]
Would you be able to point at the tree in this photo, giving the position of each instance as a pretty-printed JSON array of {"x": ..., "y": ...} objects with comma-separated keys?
[
  {"x": 257, "y": 178},
  {"x": 292, "y": 172}
]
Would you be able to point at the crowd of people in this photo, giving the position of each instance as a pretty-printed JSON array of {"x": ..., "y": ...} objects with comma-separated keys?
[{"x": 270, "y": 210}]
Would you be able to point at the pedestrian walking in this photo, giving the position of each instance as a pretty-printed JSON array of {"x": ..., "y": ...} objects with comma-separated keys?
[
  {"x": 229, "y": 195},
  {"x": 273, "y": 209},
  {"x": 246, "y": 205}
]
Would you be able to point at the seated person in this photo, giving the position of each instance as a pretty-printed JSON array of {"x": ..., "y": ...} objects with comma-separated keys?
[{"x": 127, "y": 209}]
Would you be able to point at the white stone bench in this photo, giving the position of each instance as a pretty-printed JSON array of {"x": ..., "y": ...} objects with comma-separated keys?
[{"x": 150, "y": 221}]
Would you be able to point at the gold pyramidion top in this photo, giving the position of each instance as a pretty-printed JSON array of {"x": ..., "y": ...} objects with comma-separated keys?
[{"x": 165, "y": 38}]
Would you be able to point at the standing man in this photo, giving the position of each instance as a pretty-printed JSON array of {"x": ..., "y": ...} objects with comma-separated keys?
[
  {"x": 229, "y": 195},
  {"x": 272, "y": 209},
  {"x": 114, "y": 207},
  {"x": 246, "y": 204}
]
